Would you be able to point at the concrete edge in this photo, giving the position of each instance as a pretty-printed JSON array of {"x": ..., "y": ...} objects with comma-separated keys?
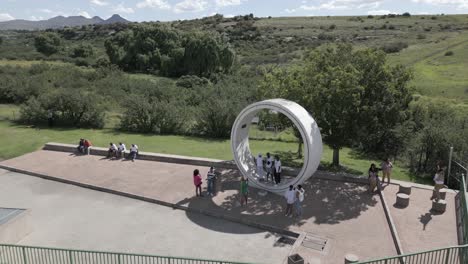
[
  {"x": 391, "y": 223},
  {"x": 155, "y": 201}
]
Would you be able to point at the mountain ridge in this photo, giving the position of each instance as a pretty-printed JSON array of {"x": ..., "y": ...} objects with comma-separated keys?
[{"x": 59, "y": 22}]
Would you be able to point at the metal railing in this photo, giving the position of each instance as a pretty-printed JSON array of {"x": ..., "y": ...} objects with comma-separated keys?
[
  {"x": 462, "y": 211},
  {"x": 450, "y": 255},
  {"x": 17, "y": 254}
]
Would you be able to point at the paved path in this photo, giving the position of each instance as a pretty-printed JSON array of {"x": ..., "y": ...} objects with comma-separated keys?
[
  {"x": 418, "y": 227},
  {"x": 344, "y": 213},
  {"x": 67, "y": 216}
]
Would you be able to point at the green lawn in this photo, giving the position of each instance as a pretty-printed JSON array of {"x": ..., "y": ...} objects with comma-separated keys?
[{"x": 17, "y": 140}]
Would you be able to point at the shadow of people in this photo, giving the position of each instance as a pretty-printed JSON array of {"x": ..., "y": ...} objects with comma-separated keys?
[
  {"x": 425, "y": 219},
  {"x": 326, "y": 202}
]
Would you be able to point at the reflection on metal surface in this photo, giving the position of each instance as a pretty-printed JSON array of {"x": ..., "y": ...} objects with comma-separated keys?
[{"x": 302, "y": 120}]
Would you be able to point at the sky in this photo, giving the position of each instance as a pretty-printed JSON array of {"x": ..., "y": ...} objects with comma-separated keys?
[{"x": 166, "y": 10}]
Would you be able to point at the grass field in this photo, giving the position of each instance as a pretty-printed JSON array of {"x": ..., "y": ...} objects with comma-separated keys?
[{"x": 17, "y": 140}]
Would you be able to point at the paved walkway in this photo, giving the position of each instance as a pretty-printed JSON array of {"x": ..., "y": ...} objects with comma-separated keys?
[
  {"x": 419, "y": 228},
  {"x": 67, "y": 216},
  {"x": 344, "y": 213}
]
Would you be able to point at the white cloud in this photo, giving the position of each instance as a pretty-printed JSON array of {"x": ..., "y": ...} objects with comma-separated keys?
[
  {"x": 342, "y": 5},
  {"x": 290, "y": 11},
  {"x": 159, "y": 4},
  {"x": 460, "y": 4},
  {"x": 190, "y": 6},
  {"x": 99, "y": 2},
  {"x": 120, "y": 8},
  {"x": 379, "y": 12},
  {"x": 6, "y": 17},
  {"x": 35, "y": 18},
  {"x": 223, "y": 3},
  {"x": 45, "y": 10},
  {"x": 84, "y": 13}
]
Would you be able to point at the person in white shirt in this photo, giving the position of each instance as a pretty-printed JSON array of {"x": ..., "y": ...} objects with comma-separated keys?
[
  {"x": 122, "y": 150},
  {"x": 133, "y": 152},
  {"x": 298, "y": 202},
  {"x": 290, "y": 196},
  {"x": 269, "y": 167},
  {"x": 112, "y": 150},
  {"x": 277, "y": 170},
  {"x": 439, "y": 180},
  {"x": 386, "y": 167},
  {"x": 260, "y": 171}
]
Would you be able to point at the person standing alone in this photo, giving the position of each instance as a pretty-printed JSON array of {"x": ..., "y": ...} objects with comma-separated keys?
[
  {"x": 386, "y": 167},
  {"x": 277, "y": 170}
]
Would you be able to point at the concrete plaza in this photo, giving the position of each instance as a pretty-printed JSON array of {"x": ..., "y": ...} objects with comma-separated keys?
[{"x": 343, "y": 214}]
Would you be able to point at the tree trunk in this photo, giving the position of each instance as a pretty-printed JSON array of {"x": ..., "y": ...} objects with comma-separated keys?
[
  {"x": 336, "y": 157},
  {"x": 299, "y": 150}
]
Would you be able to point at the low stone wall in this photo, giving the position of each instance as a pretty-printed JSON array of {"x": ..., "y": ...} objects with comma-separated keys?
[{"x": 206, "y": 162}]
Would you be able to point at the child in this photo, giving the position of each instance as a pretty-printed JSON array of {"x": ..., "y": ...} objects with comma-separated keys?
[{"x": 197, "y": 181}]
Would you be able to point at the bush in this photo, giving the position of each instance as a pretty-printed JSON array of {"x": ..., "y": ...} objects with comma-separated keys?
[
  {"x": 332, "y": 27},
  {"x": 82, "y": 51},
  {"x": 69, "y": 108},
  {"x": 47, "y": 43},
  {"x": 394, "y": 47},
  {"x": 153, "y": 115},
  {"x": 448, "y": 53},
  {"x": 370, "y": 16},
  {"x": 391, "y": 27},
  {"x": 421, "y": 36},
  {"x": 406, "y": 14},
  {"x": 190, "y": 81}
]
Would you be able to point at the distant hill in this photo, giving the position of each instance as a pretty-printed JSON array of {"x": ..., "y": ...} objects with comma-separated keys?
[{"x": 59, "y": 22}]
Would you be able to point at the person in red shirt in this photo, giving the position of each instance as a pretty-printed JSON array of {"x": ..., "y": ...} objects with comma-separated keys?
[
  {"x": 197, "y": 181},
  {"x": 87, "y": 146}
]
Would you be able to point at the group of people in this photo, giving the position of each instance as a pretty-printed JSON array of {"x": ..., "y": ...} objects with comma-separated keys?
[
  {"x": 269, "y": 167},
  {"x": 84, "y": 146},
  {"x": 119, "y": 151},
  {"x": 294, "y": 198},
  {"x": 386, "y": 168},
  {"x": 210, "y": 179}
]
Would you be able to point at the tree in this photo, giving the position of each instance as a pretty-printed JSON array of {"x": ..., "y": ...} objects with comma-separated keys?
[
  {"x": 347, "y": 91},
  {"x": 47, "y": 43},
  {"x": 83, "y": 51}
]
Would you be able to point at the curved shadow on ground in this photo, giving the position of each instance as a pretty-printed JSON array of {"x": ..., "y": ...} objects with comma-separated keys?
[{"x": 326, "y": 202}]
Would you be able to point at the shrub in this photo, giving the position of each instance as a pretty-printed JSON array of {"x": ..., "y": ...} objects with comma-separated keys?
[
  {"x": 69, "y": 108},
  {"x": 47, "y": 43},
  {"x": 406, "y": 14},
  {"x": 392, "y": 27},
  {"x": 370, "y": 16},
  {"x": 448, "y": 53},
  {"x": 82, "y": 51},
  {"x": 421, "y": 36},
  {"x": 332, "y": 27},
  {"x": 394, "y": 47},
  {"x": 153, "y": 115}
]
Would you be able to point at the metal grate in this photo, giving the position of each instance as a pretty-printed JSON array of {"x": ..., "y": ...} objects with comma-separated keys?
[{"x": 314, "y": 242}]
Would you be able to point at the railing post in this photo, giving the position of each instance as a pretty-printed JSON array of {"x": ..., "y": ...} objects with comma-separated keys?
[
  {"x": 449, "y": 165},
  {"x": 70, "y": 256},
  {"x": 24, "y": 255},
  {"x": 447, "y": 255},
  {"x": 118, "y": 259}
]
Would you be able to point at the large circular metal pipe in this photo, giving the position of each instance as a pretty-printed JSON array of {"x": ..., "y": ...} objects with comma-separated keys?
[{"x": 302, "y": 120}]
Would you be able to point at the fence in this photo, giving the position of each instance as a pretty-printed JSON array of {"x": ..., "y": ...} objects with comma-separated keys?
[
  {"x": 451, "y": 255},
  {"x": 462, "y": 212},
  {"x": 16, "y": 254}
]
